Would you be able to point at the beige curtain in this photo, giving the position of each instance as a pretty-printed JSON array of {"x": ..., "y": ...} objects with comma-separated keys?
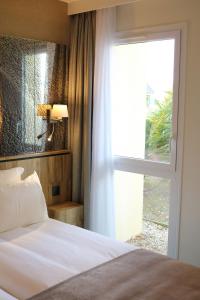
[{"x": 80, "y": 99}]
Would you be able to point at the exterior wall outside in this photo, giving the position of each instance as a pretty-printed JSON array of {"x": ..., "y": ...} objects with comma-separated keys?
[
  {"x": 128, "y": 186},
  {"x": 129, "y": 205}
]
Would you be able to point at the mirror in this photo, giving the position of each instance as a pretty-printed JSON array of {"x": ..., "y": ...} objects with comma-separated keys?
[{"x": 31, "y": 73}]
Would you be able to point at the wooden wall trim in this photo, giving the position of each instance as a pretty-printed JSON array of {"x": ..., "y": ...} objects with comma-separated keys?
[{"x": 33, "y": 155}]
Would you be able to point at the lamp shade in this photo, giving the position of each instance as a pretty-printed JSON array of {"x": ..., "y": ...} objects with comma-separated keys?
[
  {"x": 42, "y": 109},
  {"x": 59, "y": 111}
]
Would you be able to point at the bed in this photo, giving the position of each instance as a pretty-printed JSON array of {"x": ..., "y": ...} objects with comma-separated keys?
[
  {"x": 43, "y": 259},
  {"x": 39, "y": 256}
]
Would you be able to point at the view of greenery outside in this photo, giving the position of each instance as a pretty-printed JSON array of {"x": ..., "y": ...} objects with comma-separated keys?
[
  {"x": 158, "y": 130},
  {"x": 156, "y": 190},
  {"x": 158, "y": 135},
  {"x": 156, "y": 200}
]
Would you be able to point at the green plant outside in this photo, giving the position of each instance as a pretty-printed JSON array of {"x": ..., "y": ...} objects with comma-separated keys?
[{"x": 159, "y": 128}]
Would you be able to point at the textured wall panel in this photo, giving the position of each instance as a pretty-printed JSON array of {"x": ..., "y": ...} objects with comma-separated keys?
[{"x": 31, "y": 73}]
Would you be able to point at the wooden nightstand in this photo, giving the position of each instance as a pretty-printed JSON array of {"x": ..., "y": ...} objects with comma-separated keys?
[{"x": 67, "y": 212}]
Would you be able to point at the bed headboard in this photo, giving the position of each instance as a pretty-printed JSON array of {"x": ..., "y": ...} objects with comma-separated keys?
[{"x": 53, "y": 168}]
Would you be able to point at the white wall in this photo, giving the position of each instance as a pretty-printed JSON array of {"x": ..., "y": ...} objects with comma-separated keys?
[
  {"x": 35, "y": 19},
  {"x": 159, "y": 12}
]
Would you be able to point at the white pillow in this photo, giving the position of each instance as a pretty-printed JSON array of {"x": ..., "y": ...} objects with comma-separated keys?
[
  {"x": 22, "y": 204},
  {"x": 11, "y": 176}
]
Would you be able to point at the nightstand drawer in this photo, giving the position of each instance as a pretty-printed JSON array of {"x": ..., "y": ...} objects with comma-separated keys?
[{"x": 68, "y": 212}]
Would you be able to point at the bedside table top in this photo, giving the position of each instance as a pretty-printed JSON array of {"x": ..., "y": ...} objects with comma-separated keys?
[{"x": 64, "y": 205}]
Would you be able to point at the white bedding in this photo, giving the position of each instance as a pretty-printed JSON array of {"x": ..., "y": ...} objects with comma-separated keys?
[
  {"x": 39, "y": 256},
  {"x": 5, "y": 296}
]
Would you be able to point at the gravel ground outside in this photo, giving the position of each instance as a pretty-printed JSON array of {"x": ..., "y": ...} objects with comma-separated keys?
[{"x": 154, "y": 238}]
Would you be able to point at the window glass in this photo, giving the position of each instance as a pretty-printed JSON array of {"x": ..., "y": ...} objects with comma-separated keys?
[{"x": 142, "y": 99}]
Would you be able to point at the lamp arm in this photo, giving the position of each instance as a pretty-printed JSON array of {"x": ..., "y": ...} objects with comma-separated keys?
[
  {"x": 49, "y": 139},
  {"x": 41, "y": 135}
]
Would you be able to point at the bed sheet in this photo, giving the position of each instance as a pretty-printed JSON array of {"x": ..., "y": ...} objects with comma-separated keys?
[
  {"x": 39, "y": 256},
  {"x": 6, "y": 296}
]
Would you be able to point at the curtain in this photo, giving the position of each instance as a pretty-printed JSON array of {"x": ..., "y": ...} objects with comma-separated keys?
[
  {"x": 102, "y": 216},
  {"x": 80, "y": 99}
]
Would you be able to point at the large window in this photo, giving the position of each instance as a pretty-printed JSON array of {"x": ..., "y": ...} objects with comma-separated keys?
[
  {"x": 143, "y": 75},
  {"x": 145, "y": 83}
]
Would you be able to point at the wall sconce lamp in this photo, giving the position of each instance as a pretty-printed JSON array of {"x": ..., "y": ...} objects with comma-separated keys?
[
  {"x": 58, "y": 112},
  {"x": 52, "y": 115}
]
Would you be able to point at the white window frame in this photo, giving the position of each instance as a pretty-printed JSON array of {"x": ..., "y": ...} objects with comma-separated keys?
[{"x": 173, "y": 169}]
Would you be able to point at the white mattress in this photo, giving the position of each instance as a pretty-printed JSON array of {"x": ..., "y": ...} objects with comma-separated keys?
[{"x": 39, "y": 256}]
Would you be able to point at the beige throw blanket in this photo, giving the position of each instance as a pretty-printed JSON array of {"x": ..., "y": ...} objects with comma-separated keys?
[{"x": 138, "y": 275}]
